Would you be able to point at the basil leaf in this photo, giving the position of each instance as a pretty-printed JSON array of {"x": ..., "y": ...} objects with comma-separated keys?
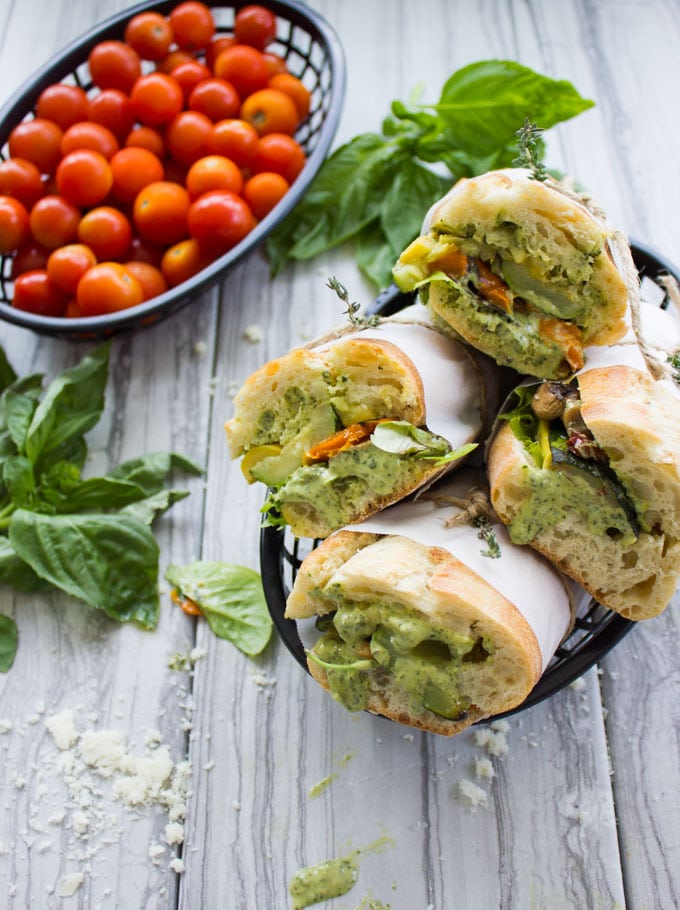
[
  {"x": 71, "y": 405},
  {"x": 109, "y": 561},
  {"x": 411, "y": 193},
  {"x": 17, "y": 475},
  {"x": 232, "y": 599},
  {"x": 9, "y": 639},
  {"x": 150, "y": 472},
  {"x": 483, "y": 105},
  {"x": 7, "y": 374},
  {"x": 19, "y": 410},
  {"x": 150, "y": 507},
  {"x": 374, "y": 254},
  {"x": 15, "y": 572}
]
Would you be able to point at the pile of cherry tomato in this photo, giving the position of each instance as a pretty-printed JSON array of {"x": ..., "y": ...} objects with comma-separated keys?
[{"x": 186, "y": 140}]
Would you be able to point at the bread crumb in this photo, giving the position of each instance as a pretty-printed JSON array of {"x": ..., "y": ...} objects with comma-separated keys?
[
  {"x": 174, "y": 833},
  {"x": 236, "y": 806},
  {"x": 484, "y": 769},
  {"x": 70, "y": 884},
  {"x": 473, "y": 795},
  {"x": 63, "y": 729},
  {"x": 578, "y": 684},
  {"x": 493, "y": 741},
  {"x": 177, "y": 865},
  {"x": 5, "y": 725},
  {"x": 200, "y": 348},
  {"x": 156, "y": 850},
  {"x": 252, "y": 333}
]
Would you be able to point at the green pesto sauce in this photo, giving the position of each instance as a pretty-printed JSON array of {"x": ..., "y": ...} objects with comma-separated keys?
[
  {"x": 423, "y": 661},
  {"x": 555, "y": 494},
  {"x": 323, "y": 882},
  {"x": 339, "y": 490}
]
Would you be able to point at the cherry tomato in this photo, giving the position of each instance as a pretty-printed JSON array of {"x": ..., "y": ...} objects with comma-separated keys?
[
  {"x": 216, "y": 46},
  {"x": 192, "y": 25},
  {"x": 160, "y": 212},
  {"x": 30, "y": 256},
  {"x": 150, "y": 278},
  {"x": 67, "y": 265},
  {"x": 147, "y": 137},
  {"x": 263, "y": 191},
  {"x": 219, "y": 220},
  {"x": 112, "y": 109},
  {"x": 168, "y": 64},
  {"x": 182, "y": 261},
  {"x": 150, "y": 35},
  {"x": 14, "y": 229},
  {"x": 35, "y": 293},
  {"x": 279, "y": 153},
  {"x": 188, "y": 136},
  {"x": 235, "y": 139},
  {"x": 21, "y": 179},
  {"x": 107, "y": 288},
  {"x": 84, "y": 177},
  {"x": 255, "y": 25},
  {"x": 244, "y": 67},
  {"x": 274, "y": 63},
  {"x": 189, "y": 75},
  {"x": 295, "y": 89},
  {"x": 114, "y": 64},
  {"x": 54, "y": 221},
  {"x": 214, "y": 172},
  {"x": 64, "y": 104},
  {"x": 156, "y": 98},
  {"x": 216, "y": 98},
  {"x": 270, "y": 111},
  {"x": 143, "y": 251},
  {"x": 87, "y": 135},
  {"x": 106, "y": 231},
  {"x": 132, "y": 169},
  {"x": 39, "y": 141}
]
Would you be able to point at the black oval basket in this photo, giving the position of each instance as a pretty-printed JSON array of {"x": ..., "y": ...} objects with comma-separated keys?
[
  {"x": 596, "y": 630},
  {"x": 313, "y": 53}
]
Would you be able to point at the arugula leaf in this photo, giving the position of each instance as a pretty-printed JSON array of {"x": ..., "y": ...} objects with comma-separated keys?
[
  {"x": 232, "y": 599},
  {"x": 9, "y": 639},
  {"x": 376, "y": 188},
  {"x": 109, "y": 561}
]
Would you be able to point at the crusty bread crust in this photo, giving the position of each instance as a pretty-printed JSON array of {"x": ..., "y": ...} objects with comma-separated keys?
[
  {"x": 637, "y": 422},
  {"x": 435, "y": 584}
]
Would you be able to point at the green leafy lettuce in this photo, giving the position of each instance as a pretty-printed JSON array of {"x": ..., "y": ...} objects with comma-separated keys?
[{"x": 376, "y": 188}]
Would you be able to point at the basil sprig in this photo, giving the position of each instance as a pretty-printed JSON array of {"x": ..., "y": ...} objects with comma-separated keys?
[
  {"x": 376, "y": 188},
  {"x": 88, "y": 537}
]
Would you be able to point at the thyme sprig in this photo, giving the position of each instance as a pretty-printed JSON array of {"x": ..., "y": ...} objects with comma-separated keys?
[
  {"x": 487, "y": 534},
  {"x": 531, "y": 150},
  {"x": 352, "y": 306}
]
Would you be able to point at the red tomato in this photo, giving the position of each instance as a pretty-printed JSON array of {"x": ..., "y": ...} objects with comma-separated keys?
[
  {"x": 112, "y": 109},
  {"x": 114, "y": 64},
  {"x": 235, "y": 139},
  {"x": 214, "y": 172},
  {"x": 168, "y": 64},
  {"x": 67, "y": 265},
  {"x": 270, "y": 111},
  {"x": 132, "y": 169},
  {"x": 244, "y": 67},
  {"x": 143, "y": 251},
  {"x": 30, "y": 256},
  {"x": 150, "y": 35},
  {"x": 182, "y": 261},
  {"x": 274, "y": 64},
  {"x": 35, "y": 293},
  {"x": 188, "y": 136},
  {"x": 219, "y": 220},
  {"x": 84, "y": 177},
  {"x": 54, "y": 221},
  {"x": 87, "y": 135},
  {"x": 189, "y": 75},
  {"x": 21, "y": 179},
  {"x": 192, "y": 25},
  {"x": 160, "y": 212},
  {"x": 149, "y": 276},
  {"x": 147, "y": 137},
  {"x": 216, "y": 98},
  {"x": 14, "y": 229},
  {"x": 263, "y": 191},
  {"x": 279, "y": 153},
  {"x": 62, "y": 103},
  {"x": 107, "y": 288},
  {"x": 106, "y": 231},
  {"x": 216, "y": 46},
  {"x": 39, "y": 141},
  {"x": 295, "y": 89},
  {"x": 255, "y": 25},
  {"x": 156, "y": 99}
]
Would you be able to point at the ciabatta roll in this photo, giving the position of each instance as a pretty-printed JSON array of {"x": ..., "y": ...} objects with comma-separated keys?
[
  {"x": 420, "y": 624},
  {"x": 352, "y": 425},
  {"x": 522, "y": 271}
]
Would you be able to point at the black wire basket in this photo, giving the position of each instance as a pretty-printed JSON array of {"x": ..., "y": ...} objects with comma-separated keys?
[
  {"x": 313, "y": 53},
  {"x": 596, "y": 629}
]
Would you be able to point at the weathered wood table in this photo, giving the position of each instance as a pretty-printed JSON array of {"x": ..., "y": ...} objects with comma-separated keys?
[{"x": 582, "y": 809}]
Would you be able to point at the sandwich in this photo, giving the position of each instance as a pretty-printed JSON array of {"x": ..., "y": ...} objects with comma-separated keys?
[
  {"x": 587, "y": 472},
  {"x": 408, "y": 615},
  {"x": 344, "y": 428},
  {"x": 523, "y": 271}
]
